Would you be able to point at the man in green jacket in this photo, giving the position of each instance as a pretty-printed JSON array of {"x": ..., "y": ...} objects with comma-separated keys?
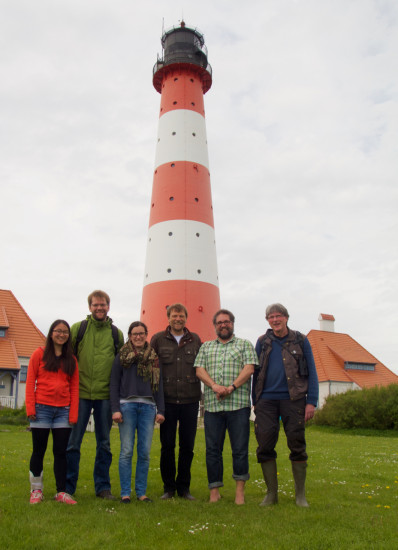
[{"x": 96, "y": 342}]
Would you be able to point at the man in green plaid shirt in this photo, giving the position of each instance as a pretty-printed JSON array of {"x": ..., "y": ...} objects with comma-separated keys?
[{"x": 225, "y": 367}]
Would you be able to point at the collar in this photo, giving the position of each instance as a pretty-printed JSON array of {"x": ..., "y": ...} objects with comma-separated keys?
[
  {"x": 272, "y": 336},
  {"x": 99, "y": 324},
  {"x": 186, "y": 334},
  {"x": 225, "y": 343}
]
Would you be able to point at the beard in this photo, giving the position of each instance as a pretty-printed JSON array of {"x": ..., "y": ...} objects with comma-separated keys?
[{"x": 225, "y": 334}]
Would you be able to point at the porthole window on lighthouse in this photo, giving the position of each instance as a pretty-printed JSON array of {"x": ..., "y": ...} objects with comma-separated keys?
[
  {"x": 170, "y": 233},
  {"x": 173, "y": 133},
  {"x": 197, "y": 234},
  {"x": 169, "y": 270}
]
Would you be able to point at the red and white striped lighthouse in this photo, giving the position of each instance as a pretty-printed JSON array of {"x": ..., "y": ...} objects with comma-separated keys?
[{"x": 181, "y": 262}]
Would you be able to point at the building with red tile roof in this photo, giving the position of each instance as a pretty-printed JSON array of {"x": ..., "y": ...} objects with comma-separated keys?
[
  {"x": 19, "y": 337},
  {"x": 342, "y": 364}
]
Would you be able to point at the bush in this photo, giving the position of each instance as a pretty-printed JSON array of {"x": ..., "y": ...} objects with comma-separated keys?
[
  {"x": 13, "y": 416},
  {"x": 375, "y": 408}
]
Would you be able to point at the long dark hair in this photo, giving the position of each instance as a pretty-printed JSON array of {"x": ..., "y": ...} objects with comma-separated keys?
[{"x": 66, "y": 360}]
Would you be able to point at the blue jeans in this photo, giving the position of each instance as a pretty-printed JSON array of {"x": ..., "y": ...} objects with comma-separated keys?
[
  {"x": 140, "y": 417},
  {"x": 238, "y": 425},
  {"x": 103, "y": 457}
]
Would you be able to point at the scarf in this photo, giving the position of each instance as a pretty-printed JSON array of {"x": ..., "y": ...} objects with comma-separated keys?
[{"x": 147, "y": 362}]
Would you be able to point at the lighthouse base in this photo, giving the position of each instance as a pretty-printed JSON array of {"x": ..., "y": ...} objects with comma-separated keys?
[{"x": 202, "y": 300}]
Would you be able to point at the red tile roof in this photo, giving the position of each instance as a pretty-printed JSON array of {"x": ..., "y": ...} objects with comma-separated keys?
[
  {"x": 332, "y": 349},
  {"x": 8, "y": 355},
  {"x": 22, "y": 336},
  {"x": 3, "y": 318}
]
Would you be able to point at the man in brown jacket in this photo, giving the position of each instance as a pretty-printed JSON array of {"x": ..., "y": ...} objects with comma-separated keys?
[{"x": 177, "y": 349}]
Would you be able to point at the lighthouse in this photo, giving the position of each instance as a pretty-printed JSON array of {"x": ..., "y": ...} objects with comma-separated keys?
[{"x": 181, "y": 261}]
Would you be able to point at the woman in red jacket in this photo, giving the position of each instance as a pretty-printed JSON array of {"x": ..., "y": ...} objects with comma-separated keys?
[{"x": 52, "y": 402}]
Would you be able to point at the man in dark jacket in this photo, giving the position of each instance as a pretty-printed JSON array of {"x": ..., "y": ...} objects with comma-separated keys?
[
  {"x": 177, "y": 348},
  {"x": 95, "y": 351},
  {"x": 285, "y": 385}
]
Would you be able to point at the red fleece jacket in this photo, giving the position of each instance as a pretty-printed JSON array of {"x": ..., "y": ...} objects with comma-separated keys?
[{"x": 56, "y": 389}]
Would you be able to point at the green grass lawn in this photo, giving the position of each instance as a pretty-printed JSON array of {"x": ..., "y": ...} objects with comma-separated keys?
[{"x": 352, "y": 488}]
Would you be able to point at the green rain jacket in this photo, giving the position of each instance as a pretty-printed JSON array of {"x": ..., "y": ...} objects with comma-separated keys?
[{"x": 95, "y": 355}]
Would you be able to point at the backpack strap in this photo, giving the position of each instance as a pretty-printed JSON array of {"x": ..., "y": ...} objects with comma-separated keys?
[
  {"x": 115, "y": 336},
  {"x": 80, "y": 334}
]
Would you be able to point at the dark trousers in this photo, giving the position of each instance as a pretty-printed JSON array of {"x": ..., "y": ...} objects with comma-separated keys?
[
  {"x": 186, "y": 415},
  {"x": 266, "y": 429},
  {"x": 60, "y": 442}
]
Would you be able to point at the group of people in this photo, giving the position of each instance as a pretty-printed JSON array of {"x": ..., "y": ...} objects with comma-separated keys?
[{"x": 88, "y": 369}]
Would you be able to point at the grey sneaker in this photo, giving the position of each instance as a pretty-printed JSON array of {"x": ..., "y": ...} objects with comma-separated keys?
[{"x": 106, "y": 494}]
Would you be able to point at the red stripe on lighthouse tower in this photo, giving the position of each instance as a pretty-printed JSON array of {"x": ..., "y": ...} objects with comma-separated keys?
[{"x": 181, "y": 262}]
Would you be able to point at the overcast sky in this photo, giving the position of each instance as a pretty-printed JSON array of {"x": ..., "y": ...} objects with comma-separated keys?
[{"x": 302, "y": 123}]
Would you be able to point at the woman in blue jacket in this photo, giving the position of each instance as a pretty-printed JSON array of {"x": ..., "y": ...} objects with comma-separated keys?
[{"x": 137, "y": 402}]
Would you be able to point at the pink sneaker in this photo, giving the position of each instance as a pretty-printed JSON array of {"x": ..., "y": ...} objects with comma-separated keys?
[
  {"x": 36, "y": 496},
  {"x": 64, "y": 497}
]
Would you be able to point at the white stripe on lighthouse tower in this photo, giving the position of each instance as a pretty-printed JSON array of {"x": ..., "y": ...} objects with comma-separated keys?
[
  {"x": 182, "y": 136},
  {"x": 181, "y": 261}
]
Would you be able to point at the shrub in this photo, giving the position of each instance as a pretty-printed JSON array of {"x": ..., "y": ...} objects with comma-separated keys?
[
  {"x": 375, "y": 408},
  {"x": 13, "y": 416}
]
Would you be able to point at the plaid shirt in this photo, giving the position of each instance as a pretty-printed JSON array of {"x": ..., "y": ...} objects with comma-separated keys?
[{"x": 223, "y": 363}]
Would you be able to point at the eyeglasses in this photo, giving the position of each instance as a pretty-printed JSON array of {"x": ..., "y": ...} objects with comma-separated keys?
[
  {"x": 138, "y": 334},
  {"x": 63, "y": 332},
  {"x": 220, "y": 323},
  {"x": 274, "y": 317}
]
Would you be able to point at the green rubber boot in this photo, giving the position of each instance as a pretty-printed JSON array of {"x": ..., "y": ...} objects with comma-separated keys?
[
  {"x": 271, "y": 480},
  {"x": 299, "y": 475}
]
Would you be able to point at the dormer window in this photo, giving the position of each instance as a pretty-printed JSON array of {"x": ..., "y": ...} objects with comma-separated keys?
[
  {"x": 2, "y": 332},
  {"x": 350, "y": 365}
]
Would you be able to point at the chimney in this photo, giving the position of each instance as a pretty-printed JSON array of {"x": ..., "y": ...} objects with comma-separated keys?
[{"x": 326, "y": 322}]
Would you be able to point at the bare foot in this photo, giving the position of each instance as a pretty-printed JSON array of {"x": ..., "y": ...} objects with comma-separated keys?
[
  {"x": 214, "y": 495},
  {"x": 239, "y": 499}
]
